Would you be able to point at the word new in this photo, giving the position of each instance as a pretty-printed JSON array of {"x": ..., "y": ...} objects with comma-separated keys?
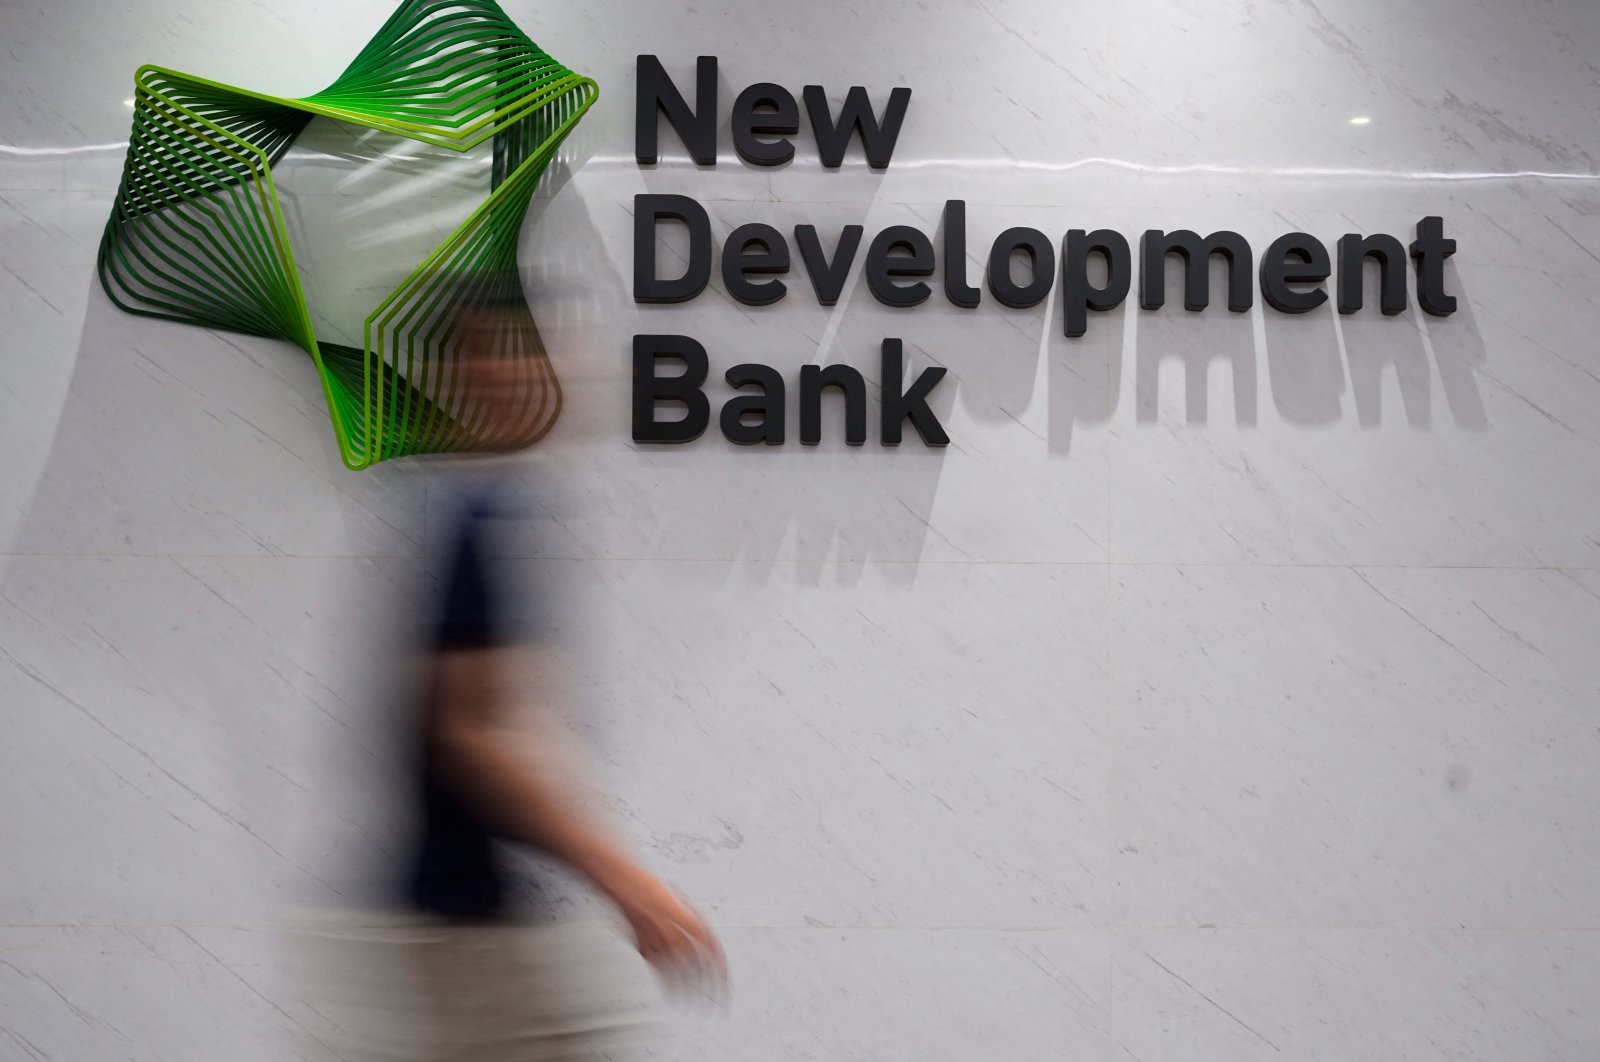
[{"x": 762, "y": 110}]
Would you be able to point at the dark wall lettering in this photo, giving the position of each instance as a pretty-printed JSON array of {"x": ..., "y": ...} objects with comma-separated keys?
[
  {"x": 768, "y": 405},
  {"x": 649, "y": 211},
  {"x": 1295, "y": 258},
  {"x": 1430, "y": 249},
  {"x": 1096, "y": 267},
  {"x": 655, "y": 93},
  {"x": 1354, "y": 250},
  {"x": 650, "y": 389},
  {"x": 827, "y": 278},
  {"x": 738, "y": 260},
  {"x": 882, "y": 268},
  {"x": 956, "y": 288},
  {"x": 813, "y": 380},
  {"x": 765, "y": 109},
  {"x": 1041, "y": 255},
  {"x": 1077, "y": 295},
  {"x": 912, "y": 404},
  {"x": 1196, "y": 254},
  {"x": 876, "y": 139}
]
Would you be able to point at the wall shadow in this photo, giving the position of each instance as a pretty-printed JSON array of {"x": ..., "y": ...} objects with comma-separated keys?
[
  {"x": 1312, "y": 361},
  {"x": 1305, "y": 365},
  {"x": 1196, "y": 338}
]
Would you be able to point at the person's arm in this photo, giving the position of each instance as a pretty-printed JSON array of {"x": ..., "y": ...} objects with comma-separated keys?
[{"x": 529, "y": 796}]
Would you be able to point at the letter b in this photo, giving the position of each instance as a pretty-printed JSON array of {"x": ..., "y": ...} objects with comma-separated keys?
[{"x": 649, "y": 389}]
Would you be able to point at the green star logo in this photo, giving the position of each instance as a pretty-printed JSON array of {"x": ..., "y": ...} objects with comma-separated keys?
[{"x": 197, "y": 233}]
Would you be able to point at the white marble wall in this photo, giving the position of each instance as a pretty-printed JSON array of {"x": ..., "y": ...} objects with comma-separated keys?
[{"x": 1226, "y": 690}]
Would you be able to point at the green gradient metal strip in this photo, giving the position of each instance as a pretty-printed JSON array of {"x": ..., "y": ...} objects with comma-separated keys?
[{"x": 197, "y": 233}]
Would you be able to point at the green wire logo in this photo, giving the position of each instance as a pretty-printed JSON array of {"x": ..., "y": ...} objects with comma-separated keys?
[{"x": 197, "y": 233}]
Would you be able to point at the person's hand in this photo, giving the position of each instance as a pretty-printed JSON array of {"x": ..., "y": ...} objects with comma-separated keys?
[{"x": 672, "y": 937}]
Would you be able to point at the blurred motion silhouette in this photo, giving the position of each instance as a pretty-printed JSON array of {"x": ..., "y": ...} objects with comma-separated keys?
[{"x": 449, "y": 971}]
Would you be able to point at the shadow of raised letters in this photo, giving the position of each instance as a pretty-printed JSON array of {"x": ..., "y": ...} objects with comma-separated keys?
[
  {"x": 1196, "y": 336},
  {"x": 1458, "y": 350},
  {"x": 1305, "y": 367}
]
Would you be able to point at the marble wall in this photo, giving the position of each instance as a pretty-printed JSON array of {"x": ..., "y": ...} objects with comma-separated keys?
[{"x": 1225, "y": 690}]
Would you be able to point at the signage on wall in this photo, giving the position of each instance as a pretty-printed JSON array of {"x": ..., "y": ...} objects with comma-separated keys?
[{"x": 1294, "y": 272}]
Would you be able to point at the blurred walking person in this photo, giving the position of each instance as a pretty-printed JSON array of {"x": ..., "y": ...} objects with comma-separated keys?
[{"x": 490, "y": 771}]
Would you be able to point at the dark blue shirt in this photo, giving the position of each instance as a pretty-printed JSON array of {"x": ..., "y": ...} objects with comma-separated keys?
[{"x": 457, "y": 871}]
